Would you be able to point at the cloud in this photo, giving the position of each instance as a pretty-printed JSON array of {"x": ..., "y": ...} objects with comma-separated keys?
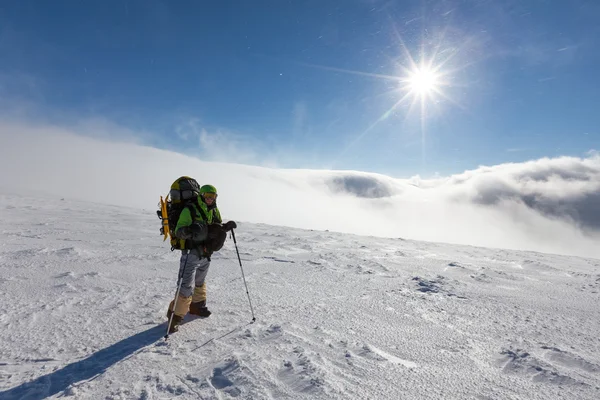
[
  {"x": 223, "y": 145},
  {"x": 367, "y": 185},
  {"x": 550, "y": 205},
  {"x": 564, "y": 188}
]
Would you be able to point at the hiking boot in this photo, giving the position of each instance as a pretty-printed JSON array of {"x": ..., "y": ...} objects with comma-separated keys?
[
  {"x": 182, "y": 306},
  {"x": 175, "y": 322},
  {"x": 199, "y": 309}
]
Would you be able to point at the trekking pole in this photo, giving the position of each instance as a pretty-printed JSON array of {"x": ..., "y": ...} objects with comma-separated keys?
[
  {"x": 243, "y": 276},
  {"x": 176, "y": 297}
]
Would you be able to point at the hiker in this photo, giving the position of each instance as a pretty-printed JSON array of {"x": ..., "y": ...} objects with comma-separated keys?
[{"x": 201, "y": 231}]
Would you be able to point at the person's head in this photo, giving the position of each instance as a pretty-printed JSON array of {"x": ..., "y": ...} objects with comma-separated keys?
[{"x": 208, "y": 193}]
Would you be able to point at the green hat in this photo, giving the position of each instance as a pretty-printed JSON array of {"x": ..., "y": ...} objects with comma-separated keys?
[{"x": 208, "y": 189}]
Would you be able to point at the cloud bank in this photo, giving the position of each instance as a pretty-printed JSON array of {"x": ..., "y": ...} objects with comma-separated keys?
[{"x": 550, "y": 205}]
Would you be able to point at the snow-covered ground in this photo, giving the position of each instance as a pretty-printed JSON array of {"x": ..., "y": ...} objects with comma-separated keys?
[{"x": 84, "y": 289}]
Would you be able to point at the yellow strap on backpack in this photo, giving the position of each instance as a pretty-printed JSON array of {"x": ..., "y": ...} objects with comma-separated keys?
[{"x": 165, "y": 217}]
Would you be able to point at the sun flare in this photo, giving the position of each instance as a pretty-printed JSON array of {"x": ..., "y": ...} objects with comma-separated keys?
[
  {"x": 420, "y": 80},
  {"x": 423, "y": 81}
]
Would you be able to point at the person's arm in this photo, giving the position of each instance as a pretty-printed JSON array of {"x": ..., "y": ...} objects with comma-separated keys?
[
  {"x": 188, "y": 229},
  {"x": 227, "y": 226}
]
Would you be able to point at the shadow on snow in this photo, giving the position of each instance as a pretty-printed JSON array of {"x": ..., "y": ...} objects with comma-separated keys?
[{"x": 86, "y": 369}]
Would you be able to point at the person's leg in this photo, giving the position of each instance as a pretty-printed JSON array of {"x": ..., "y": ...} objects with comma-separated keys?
[
  {"x": 187, "y": 267},
  {"x": 198, "y": 305}
]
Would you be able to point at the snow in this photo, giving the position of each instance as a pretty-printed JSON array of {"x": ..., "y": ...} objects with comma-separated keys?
[{"x": 84, "y": 289}]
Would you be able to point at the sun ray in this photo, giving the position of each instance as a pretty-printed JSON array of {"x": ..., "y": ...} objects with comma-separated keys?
[
  {"x": 451, "y": 100},
  {"x": 421, "y": 82},
  {"x": 405, "y": 50},
  {"x": 352, "y": 72},
  {"x": 384, "y": 116}
]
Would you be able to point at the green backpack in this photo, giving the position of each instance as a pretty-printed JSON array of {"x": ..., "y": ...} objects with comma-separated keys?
[{"x": 184, "y": 192}]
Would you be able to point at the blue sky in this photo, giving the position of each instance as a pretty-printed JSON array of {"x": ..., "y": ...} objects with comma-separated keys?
[{"x": 310, "y": 84}]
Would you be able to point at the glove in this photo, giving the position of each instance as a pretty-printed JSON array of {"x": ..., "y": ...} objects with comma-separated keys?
[
  {"x": 196, "y": 228},
  {"x": 229, "y": 225},
  {"x": 195, "y": 232},
  {"x": 215, "y": 231},
  {"x": 216, "y": 238}
]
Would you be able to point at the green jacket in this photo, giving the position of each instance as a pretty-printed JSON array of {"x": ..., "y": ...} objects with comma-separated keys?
[{"x": 187, "y": 218}]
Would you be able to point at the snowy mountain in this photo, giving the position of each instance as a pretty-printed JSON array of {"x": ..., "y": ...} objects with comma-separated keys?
[{"x": 84, "y": 289}]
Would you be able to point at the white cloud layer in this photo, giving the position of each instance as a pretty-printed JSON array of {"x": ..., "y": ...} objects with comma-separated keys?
[{"x": 550, "y": 205}]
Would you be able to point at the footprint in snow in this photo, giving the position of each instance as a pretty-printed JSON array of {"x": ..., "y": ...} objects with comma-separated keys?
[
  {"x": 220, "y": 378},
  {"x": 428, "y": 286},
  {"x": 302, "y": 373},
  {"x": 566, "y": 359},
  {"x": 521, "y": 362},
  {"x": 455, "y": 265},
  {"x": 68, "y": 274},
  {"x": 434, "y": 286}
]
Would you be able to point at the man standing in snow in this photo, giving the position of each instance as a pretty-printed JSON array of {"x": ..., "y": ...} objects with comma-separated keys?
[{"x": 200, "y": 226}]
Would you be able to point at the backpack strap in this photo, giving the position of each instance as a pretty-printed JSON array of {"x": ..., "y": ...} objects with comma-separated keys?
[
  {"x": 195, "y": 214},
  {"x": 188, "y": 243}
]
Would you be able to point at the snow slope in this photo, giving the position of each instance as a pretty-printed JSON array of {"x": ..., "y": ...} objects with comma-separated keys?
[{"x": 84, "y": 288}]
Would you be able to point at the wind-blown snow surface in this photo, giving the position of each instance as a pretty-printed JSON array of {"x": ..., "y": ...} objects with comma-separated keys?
[{"x": 84, "y": 288}]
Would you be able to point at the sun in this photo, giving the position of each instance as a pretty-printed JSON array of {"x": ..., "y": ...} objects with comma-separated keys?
[
  {"x": 423, "y": 82},
  {"x": 420, "y": 79}
]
